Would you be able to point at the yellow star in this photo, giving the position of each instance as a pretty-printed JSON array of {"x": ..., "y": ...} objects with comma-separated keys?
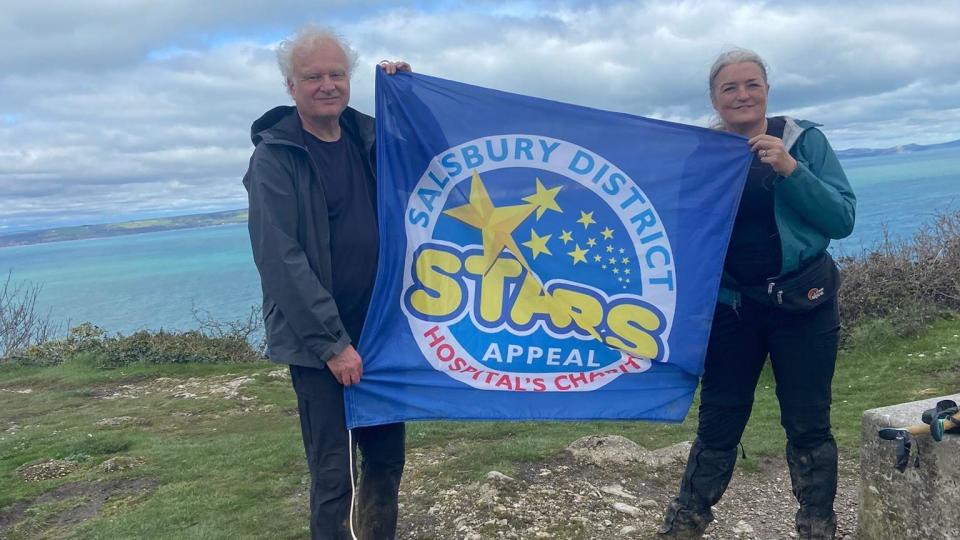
[
  {"x": 626, "y": 260},
  {"x": 496, "y": 224},
  {"x": 566, "y": 236},
  {"x": 609, "y": 249},
  {"x": 616, "y": 270},
  {"x": 544, "y": 199},
  {"x": 591, "y": 242},
  {"x": 586, "y": 219},
  {"x": 597, "y": 258},
  {"x": 621, "y": 251},
  {"x": 613, "y": 260},
  {"x": 607, "y": 233},
  {"x": 626, "y": 270},
  {"x": 538, "y": 244},
  {"x": 579, "y": 255}
]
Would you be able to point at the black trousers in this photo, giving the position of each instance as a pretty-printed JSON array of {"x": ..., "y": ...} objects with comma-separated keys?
[
  {"x": 322, "y": 421},
  {"x": 803, "y": 354}
]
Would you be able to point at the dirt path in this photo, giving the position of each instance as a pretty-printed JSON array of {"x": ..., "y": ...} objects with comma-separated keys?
[{"x": 566, "y": 499}]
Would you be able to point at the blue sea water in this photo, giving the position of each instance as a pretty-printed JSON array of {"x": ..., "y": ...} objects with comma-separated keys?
[{"x": 155, "y": 280}]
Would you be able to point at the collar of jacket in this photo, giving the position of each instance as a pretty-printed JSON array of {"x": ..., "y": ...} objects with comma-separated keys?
[{"x": 281, "y": 125}]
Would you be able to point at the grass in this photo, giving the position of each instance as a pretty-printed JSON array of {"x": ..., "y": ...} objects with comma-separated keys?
[{"x": 219, "y": 472}]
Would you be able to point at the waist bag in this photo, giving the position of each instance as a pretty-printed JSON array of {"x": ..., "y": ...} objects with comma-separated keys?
[{"x": 816, "y": 283}]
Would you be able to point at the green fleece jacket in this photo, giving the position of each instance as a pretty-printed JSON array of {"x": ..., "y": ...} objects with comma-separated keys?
[{"x": 812, "y": 205}]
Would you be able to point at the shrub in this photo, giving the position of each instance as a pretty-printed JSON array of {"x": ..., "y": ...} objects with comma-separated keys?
[
  {"x": 22, "y": 324},
  {"x": 907, "y": 282}
]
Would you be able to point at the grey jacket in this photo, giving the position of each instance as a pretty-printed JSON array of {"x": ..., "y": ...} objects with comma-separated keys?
[{"x": 290, "y": 236}]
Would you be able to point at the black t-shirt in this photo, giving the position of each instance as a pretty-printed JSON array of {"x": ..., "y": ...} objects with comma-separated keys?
[
  {"x": 354, "y": 237},
  {"x": 754, "y": 253}
]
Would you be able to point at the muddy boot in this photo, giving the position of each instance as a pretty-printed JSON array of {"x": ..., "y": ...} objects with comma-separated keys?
[
  {"x": 705, "y": 479},
  {"x": 813, "y": 472}
]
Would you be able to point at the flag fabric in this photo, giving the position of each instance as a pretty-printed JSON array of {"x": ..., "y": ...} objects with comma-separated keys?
[{"x": 540, "y": 260}]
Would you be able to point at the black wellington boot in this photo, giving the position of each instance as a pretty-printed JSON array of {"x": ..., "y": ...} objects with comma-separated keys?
[
  {"x": 704, "y": 480},
  {"x": 813, "y": 472}
]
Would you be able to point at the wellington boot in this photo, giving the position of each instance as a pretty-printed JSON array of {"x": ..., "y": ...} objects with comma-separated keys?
[
  {"x": 704, "y": 480},
  {"x": 813, "y": 472}
]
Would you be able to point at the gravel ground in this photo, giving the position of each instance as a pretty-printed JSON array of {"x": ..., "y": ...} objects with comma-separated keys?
[{"x": 567, "y": 498}]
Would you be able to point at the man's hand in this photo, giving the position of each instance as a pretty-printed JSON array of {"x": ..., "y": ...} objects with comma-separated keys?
[
  {"x": 346, "y": 366},
  {"x": 392, "y": 67}
]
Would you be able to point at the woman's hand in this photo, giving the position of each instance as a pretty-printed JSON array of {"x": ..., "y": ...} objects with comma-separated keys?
[
  {"x": 392, "y": 67},
  {"x": 771, "y": 151}
]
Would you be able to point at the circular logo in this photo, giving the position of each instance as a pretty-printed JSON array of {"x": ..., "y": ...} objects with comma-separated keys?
[{"x": 534, "y": 264}]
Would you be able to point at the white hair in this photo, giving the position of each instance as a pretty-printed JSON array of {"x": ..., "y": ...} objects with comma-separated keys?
[{"x": 307, "y": 38}]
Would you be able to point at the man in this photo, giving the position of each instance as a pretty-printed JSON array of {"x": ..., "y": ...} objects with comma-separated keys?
[{"x": 311, "y": 186}]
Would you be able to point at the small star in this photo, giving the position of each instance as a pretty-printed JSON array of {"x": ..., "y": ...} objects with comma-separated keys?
[
  {"x": 612, "y": 260},
  {"x": 628, "y": 280},
  {"x": 607, "y": 233},
  {"x": 620, "y": 279},
  {"x": 586, "y": 219},
  {"x": 625, "y": 260},
  {"x": 616, "y": 271},
  {"x": 626, "y": 270},
  {"x": 566, "y": 236},
  {"x": 597, "y": 258},
  {"x": 579, "y": 255},
  {"x": 591, "y": 242},
  {"x": 544, "y": 199},
  {"x": 609, "y": 249},
  {"x": 621, "y": 251},
  {"x": 538, "y": 244},
  {"x": 604, "y": 267}
]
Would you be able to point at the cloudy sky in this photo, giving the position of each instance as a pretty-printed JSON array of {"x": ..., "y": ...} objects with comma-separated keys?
[{"x": 114, "y": 110}]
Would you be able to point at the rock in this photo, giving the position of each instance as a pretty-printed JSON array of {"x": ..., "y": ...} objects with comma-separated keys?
[
  {"x": 892, "y": 502},
  {"x": 628, "y": 530},
  {"x": 649, "y": 503},
  {"x": 54, "y": 468},
  {"x": 279, "y": 374},
  {"x": 742, "y": 528},
  {"x": 626, "y": 509},
  {"x": 605, "y": 450},
  {"x": 120, "y": 463},
  {"x": 115, "y": 421},
  {"x": 668, "y": 455},
  {"x": 617, "y": 491},
  {"x": 497, "y": 476}
]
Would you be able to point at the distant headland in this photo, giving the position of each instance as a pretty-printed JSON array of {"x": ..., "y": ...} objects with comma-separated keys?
[
  {"x": 82, "y": 232},
  {"x": 902, "y": 149},
  {"x": 231, "y": 217}
]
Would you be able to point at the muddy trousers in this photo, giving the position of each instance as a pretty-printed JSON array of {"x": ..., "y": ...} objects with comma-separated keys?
[
  {"x": 381, "y": 461},
  {"x": 802, "y": 349}
]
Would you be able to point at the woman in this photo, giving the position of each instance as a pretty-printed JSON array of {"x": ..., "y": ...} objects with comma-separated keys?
[{"x": 795, "y": 200}]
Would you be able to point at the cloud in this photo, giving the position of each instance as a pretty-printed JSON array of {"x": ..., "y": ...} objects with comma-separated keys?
[{"x": 110, "y": 110}]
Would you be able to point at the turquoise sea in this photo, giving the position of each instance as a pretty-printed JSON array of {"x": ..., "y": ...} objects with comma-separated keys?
[{"x": 155, "y": 280}]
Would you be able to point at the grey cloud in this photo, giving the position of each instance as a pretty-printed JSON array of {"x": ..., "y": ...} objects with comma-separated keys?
[{"x": 144, "y": 108}]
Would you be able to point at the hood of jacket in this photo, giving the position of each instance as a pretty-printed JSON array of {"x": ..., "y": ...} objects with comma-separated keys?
[{"x": 282, "y": 125}]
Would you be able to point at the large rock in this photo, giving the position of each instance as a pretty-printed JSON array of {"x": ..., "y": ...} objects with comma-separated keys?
[{"x": 920, "y": 502}]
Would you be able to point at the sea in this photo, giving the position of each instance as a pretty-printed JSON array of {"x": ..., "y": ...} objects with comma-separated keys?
[{"x": 165, "y": 280}]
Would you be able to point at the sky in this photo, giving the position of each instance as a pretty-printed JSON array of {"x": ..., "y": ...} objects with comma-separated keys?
[{"x": 113, "y": 110}]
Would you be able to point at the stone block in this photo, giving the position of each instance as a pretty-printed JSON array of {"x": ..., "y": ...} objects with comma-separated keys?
[{"x": 920, "y": 502}]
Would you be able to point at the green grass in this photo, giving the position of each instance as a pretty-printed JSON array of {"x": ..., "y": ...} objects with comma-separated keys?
[{"x": 220, "y": 473}]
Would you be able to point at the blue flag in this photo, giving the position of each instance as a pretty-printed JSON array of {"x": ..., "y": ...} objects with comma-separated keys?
[{"x": 540, "y": 260}]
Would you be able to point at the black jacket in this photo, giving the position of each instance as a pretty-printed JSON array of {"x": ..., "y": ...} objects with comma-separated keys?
[{"x": 290, "y": 235}]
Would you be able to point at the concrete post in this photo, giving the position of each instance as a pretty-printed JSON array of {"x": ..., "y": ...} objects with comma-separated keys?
[{"x": 919, "y": 503}]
